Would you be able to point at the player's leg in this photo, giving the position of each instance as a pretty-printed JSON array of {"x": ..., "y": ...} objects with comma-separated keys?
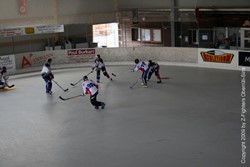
[
  {"x": 105, "y": 73},
  {"x": 94, "y": 102},
  {"x": 50, "y": 86},
  {"x": 157, "y": 74},
  {"x": 2, "y": 85},
  {"x": 144, "y": 77},
  {"x": 46, "y": 83},
  {"x": 150, "y": 74},
  {"x": 6, "y": 78},
  {"x": 98, "y": 75}
]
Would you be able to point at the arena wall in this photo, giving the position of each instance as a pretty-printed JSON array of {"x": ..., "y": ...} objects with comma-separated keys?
[{"x": 195, "y": 57}]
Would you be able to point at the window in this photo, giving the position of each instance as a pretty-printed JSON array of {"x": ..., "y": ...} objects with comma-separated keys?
[
  {"x": 146, "y": 35},
  {"x": 106, "y": 35},
  {"x": 157, "y": 35},
  {"x": 136, "y": 36}
]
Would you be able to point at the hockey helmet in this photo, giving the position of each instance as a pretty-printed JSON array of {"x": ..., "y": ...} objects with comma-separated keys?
[
  {"x": 4, "y": 69},
  {"x": 49, "y": 60},
  {"x": 85, "y": 78},
  {"x": 136, "y": 61}
]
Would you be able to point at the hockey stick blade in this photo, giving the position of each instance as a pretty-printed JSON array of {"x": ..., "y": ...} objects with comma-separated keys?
[
  {"x": 10, "y": 86},
  {"x": 113, "y": 74},
  {"x": 60, "y": 86},
  {"x": 76, "y": 83},
  {"x": 69, "y": 97},
  {"x": 61, "y": 98},
  {"x": 132, "y": 86}
]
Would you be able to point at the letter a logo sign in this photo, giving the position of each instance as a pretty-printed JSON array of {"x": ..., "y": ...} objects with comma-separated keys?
[{"x": 25, "y": 62}]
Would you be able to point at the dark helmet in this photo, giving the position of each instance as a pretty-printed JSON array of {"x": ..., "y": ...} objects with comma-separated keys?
[
  {"x": 150, "y": 61},
  {"x": 49, "y": 60},
  {"x": 136, "y": 61},
  {"x": 98, "y": 56},
  {"x": 85, "y": 78},
  {"x": 4, "y": 69}
]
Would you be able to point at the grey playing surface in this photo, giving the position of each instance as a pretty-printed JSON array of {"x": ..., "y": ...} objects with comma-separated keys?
[{"x": 191, "y": 120}]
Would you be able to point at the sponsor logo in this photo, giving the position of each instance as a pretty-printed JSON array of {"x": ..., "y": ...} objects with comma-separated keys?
[
  {"x": 217, "y": 56},
  {"x": 81, "y": 52},
  {"x": 29, "y": 30},
  {"x": 244, "y": 59},
  {"x": 5, "y": 59},
  {"x": 34, "y": 60}
]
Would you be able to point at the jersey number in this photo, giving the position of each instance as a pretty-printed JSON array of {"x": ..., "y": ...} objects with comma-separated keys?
[{"x": 90, "y": 85}]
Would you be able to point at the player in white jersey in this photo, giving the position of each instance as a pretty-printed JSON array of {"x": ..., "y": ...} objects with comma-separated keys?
[
  {"x": 89, "y": 87},
  {"x": 142, "y": 66},
  {"x": 99, "y": 65},
  {"x": 3, "y": 77},
  {"x": 47, "y": 75}
]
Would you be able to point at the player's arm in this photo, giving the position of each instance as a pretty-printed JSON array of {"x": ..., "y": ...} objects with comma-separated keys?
[{"x": 135, "y": 69}]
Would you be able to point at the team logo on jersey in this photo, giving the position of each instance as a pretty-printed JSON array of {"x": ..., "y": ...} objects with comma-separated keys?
[{"x": 217, "y": 56}]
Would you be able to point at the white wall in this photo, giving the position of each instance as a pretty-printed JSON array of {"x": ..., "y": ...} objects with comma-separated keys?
[
  {"x": 27, "y": 62},
  {"x": 95, "y": 11},
  {"x": 37, "y": 13},
  {"x": 46, "y": 12}
]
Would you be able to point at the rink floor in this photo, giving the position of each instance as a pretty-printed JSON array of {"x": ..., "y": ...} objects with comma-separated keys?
[{"x": 191, "y": 120}]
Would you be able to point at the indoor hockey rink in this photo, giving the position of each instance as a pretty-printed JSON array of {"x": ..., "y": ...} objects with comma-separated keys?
[{"x": 192, "y": 119}]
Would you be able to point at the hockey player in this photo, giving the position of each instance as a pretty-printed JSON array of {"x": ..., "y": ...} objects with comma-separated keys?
[
  {"x": 4, "y": 78},
  {"x": 142, "y": 66},
  {"x": 89, "y": 87},
  {"x": 47, "y": 75},
  {"x": 154, "y": 68},
  {"x": 99, "y": 65}
]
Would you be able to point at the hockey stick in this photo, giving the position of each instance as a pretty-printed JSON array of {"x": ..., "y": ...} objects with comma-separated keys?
[
  {"x": 6, "y": 86},
  {"x": 69, "y": 97},
  {"x": 10, "y": 86},
  {"x": 80, "y": 79},
  {"x": 131, "y": 87},
  {"x": 60, "y": 86},
  {"x": 75, "y": 83}
]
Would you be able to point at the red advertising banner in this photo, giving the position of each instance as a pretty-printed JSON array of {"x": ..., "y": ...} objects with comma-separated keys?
[
  {"x": 81, "y": 52},
  {"x": 22, "y": 6}
]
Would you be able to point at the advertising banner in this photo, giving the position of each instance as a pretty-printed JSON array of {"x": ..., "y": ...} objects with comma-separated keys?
[
  {"x": 80, "y": 55},
  {"x": 45, "y": 29},
  {"x": 244, "y": 58},
  {"x": 218, "y": 58},
  {"x": 36, "y": 59},
  {"x": 9, "y": 32},
  {"x": 9, "y": 62}
]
